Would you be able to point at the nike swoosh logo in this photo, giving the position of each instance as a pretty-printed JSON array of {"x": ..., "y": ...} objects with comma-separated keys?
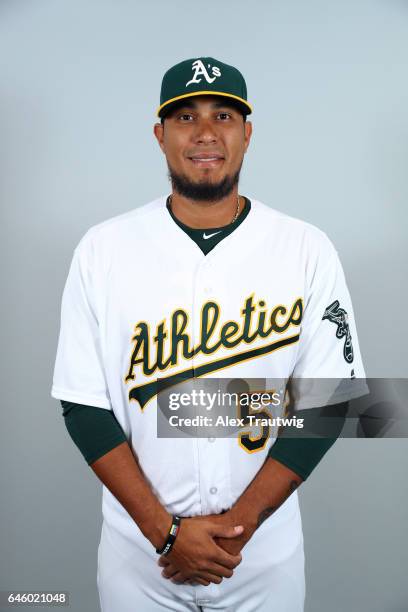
[{"x": 206, "y": 236}]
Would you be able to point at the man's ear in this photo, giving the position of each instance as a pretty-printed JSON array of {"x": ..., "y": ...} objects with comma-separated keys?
[
  {"x": 158, "y": 130},
  {"x": 248, "y": 133}
]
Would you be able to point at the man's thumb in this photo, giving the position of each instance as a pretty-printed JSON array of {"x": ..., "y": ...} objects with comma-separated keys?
[{"x": 228, "y": 532}]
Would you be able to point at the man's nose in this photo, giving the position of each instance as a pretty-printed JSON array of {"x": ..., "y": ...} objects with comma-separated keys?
[{"x": 205, "y": 132}]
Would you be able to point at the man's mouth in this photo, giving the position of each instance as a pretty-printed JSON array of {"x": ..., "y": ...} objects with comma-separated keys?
[{"x": 207, "y": 159}]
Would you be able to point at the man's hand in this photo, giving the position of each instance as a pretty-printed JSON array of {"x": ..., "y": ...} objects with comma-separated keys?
[
  {"x": 233, "y": 546},
  {"x": 196, "y": 557},
  {"x": 270, "y": 488}
]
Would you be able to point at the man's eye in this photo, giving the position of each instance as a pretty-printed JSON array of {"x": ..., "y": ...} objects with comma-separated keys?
[
  {"x": 185, "y": 117},
  {"x": 224, "y": 116}
]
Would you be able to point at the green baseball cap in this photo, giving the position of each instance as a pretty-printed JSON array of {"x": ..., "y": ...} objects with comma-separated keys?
[{"x": 200, "y": 76}]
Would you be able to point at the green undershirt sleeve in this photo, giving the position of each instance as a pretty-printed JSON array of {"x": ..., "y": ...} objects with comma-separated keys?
[
  {"x": 301, "y": 452},
  {"x": 95, "y": 431}
]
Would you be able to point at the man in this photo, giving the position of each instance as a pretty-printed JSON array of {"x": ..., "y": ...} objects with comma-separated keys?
[{"x": 204, "y": 282}]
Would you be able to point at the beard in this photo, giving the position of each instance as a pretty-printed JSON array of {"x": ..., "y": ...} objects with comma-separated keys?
[{"x": 203, "y": 191}]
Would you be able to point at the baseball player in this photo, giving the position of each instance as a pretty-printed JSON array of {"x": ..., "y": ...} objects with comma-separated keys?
[{"x": 203, "y": 282}]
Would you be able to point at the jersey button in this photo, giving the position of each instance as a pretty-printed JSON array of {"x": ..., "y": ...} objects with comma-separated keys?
[
  {"x": 207, "y": 290},
  {"x": 213, "y": 490}
]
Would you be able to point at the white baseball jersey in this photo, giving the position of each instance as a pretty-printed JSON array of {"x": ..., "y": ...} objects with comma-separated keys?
[{"x": 143, "y": 302}]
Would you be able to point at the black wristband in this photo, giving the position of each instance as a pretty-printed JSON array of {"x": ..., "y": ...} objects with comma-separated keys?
[{"x": 171, "y": 537}]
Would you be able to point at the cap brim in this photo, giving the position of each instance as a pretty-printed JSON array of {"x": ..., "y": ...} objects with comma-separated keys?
[{"x": 242, "y": 104}]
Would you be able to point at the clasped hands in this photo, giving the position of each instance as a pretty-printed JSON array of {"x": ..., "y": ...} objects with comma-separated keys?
[{"x": 207, "y": 549}]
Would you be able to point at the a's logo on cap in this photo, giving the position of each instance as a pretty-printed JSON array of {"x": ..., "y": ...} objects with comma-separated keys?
[{"x": 200, "y": 70}]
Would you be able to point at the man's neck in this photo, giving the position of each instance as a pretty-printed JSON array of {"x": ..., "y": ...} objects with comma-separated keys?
[{"x": 198, "y": 214}]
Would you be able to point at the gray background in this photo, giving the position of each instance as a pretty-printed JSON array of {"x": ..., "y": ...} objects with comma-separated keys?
[{"x": 79, "y": 85}]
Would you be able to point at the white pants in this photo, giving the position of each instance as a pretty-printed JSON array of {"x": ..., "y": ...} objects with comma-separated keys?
[{"x": 270, "y": 577}]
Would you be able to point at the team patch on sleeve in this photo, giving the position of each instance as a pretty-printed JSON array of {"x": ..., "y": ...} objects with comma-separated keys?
[{"x": 337, "y": 315}]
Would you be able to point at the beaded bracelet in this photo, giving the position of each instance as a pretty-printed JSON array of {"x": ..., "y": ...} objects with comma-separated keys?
[{"x": 171, "y": 537}]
